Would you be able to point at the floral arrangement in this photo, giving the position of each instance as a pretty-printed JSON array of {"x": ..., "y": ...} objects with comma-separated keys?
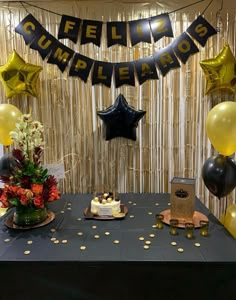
[{"x": 29, "y": 184}]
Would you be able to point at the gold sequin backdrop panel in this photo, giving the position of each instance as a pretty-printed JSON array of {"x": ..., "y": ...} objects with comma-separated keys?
[{"x": 171, "y": 138}]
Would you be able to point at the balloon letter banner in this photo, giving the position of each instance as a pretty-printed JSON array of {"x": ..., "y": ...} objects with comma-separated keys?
[
  {"x": 124, "y": 74},
  {"x": 120, "y": 119},
  {"x": 139, "y": 31},
  {"x": 60, "y": 56},
  {"x": 81, "y": 66},
  {"x": 102, "y": 73},
  {"x": 219, "y": 175},
  {"x": 184, "y": 47},
  {"x": 91, "y": 32},
  {"x": 44, "y": 43},
  {"x": 221, "y": 127},
  {"x": 201, "y": 30},
  {"x": 145, "y": 69},
  {"x": 161, "y": 26},
  {"x": 166, "y": 60},
  {"x": 220, "y": 71},
  {"x": 116, "y": 33},
  {"x": 69, "y": 28},
  {"x": 142, "y": 30},
  {"x": 9, "y": 116},
  {"x": 29, "y": 28}
]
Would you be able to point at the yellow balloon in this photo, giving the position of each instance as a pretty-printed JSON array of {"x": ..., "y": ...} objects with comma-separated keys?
[
  {"x": 230, "y": 220},
  {"x": 18, "y": 76},
  {"x": 9, "y": 116},
  {"x": 220, "y": 71},
  {"x": 221, "y": 127}
]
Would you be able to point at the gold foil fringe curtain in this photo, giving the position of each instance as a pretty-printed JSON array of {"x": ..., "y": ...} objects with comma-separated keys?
[{"x": 171, "y": 138}]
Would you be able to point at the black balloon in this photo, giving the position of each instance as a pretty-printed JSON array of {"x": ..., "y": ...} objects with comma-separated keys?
[
  {"x": 219, "y": 175},
  {"x": 6, "y": 164},
  {"x": 120, "y": 119}
]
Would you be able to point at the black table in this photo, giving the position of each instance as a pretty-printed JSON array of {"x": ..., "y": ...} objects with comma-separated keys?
[{"x": 110, "y": 270}]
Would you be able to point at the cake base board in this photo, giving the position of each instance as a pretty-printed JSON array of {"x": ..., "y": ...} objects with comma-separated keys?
[{"x": 122, "y": 215}]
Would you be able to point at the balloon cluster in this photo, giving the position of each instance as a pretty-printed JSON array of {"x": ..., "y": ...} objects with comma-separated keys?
[{"x": 219, "y": 171}]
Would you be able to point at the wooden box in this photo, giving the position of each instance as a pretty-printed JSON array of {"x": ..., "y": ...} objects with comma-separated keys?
[{"x": 182, "y": 199}]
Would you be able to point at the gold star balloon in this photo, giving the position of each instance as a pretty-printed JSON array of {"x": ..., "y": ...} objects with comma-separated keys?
[
  {"x": 19, "y": 77},
  {"x": 220, "y": 71}
]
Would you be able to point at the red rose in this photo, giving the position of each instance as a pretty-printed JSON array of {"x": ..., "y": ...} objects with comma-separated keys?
[
  {"x": 38, "y": 201},
  {"x": 54, "y": 194},
  {"x": 23, "y": 200},
  {"x": 5, "y": 202}
]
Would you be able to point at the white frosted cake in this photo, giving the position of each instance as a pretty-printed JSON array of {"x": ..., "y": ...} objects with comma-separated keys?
[{"x": 105, "y": 205}]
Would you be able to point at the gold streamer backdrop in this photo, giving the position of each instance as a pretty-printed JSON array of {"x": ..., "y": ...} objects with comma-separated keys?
[{"x": 171, "y": 138}]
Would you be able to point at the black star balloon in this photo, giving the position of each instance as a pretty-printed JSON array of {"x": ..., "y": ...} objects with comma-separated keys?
[{"x": 120, "y": 119}]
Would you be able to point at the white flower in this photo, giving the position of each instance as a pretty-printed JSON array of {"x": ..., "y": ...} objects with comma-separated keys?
[{"x": 27, "y": 135}]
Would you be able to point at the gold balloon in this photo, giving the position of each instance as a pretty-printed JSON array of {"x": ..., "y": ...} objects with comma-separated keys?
[
  {"x": 220, "y": 71},
  {"x": 221, "y": 127},
  {"x": 230, "y": 220},
  {"x": 18, "y": 76},
  {"x": 9, "y": 116}
]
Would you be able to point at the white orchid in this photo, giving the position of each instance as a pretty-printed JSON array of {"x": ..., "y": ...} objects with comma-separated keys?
[{"x": 27, "y": 135}]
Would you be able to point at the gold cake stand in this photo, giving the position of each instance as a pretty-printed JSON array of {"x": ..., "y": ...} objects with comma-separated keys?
[{"x": 197, "y": 217}]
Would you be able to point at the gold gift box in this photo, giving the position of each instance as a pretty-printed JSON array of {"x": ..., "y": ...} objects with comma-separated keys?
[{"x": 182, "y": 199}]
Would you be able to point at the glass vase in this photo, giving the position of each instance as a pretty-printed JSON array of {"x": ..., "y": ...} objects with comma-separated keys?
[{"x": 28, "y": 216}]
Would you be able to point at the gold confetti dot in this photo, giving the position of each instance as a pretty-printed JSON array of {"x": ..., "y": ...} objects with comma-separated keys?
[
  {"x": 56, "y": 242},
  {"x": 30, "y": 242},
  {"x": 146, "y": 247},
  {"x": 68, "y": 208},
  {"x": 147, "y": 242},
  {"x": 154, "y": 226},
  {"x": 79, "y": 219},
  {"x": 131, "y": 216},
  {"x": 26, "y": 252},
  {"x": 141, "y": 238},
  {"x": 130, "y": 202},
  {"x": 152, "y": 235},
  {"x": 134, "y": 203},
  {"x": 116, "y": 242},
  {"x": 94, "y": 226},
  {"x": 168, "y": 204},
  {"x": 107, "y": 233},
  {"x": 52, "y": 229},
  {"x": 82, "y": 247},
  {"x": 80, "y": 233},
  {"x": 68, "y": 204},
  {"x": 156, "y": 204},
  {"x": 64, "y": 241},
  {"x": 173, "y": 243},
  {"x": 97, "y": 236},
  {"x": 197, "y": 244},
  {"x": 180, "y": 250},
  {"x": 150, "y": 213},
  {"x": 62, "y": 211},
  {"x": 7, "y": 240}
]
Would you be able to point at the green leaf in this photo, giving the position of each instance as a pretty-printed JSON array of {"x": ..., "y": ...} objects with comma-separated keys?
[{"x": 14, "y": 201}]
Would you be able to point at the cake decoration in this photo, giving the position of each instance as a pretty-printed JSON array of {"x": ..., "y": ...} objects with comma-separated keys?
[{"x": 105, "y": 204}]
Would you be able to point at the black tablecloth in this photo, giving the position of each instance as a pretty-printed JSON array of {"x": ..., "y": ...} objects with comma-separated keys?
[{"x": 114, "y": 263}]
